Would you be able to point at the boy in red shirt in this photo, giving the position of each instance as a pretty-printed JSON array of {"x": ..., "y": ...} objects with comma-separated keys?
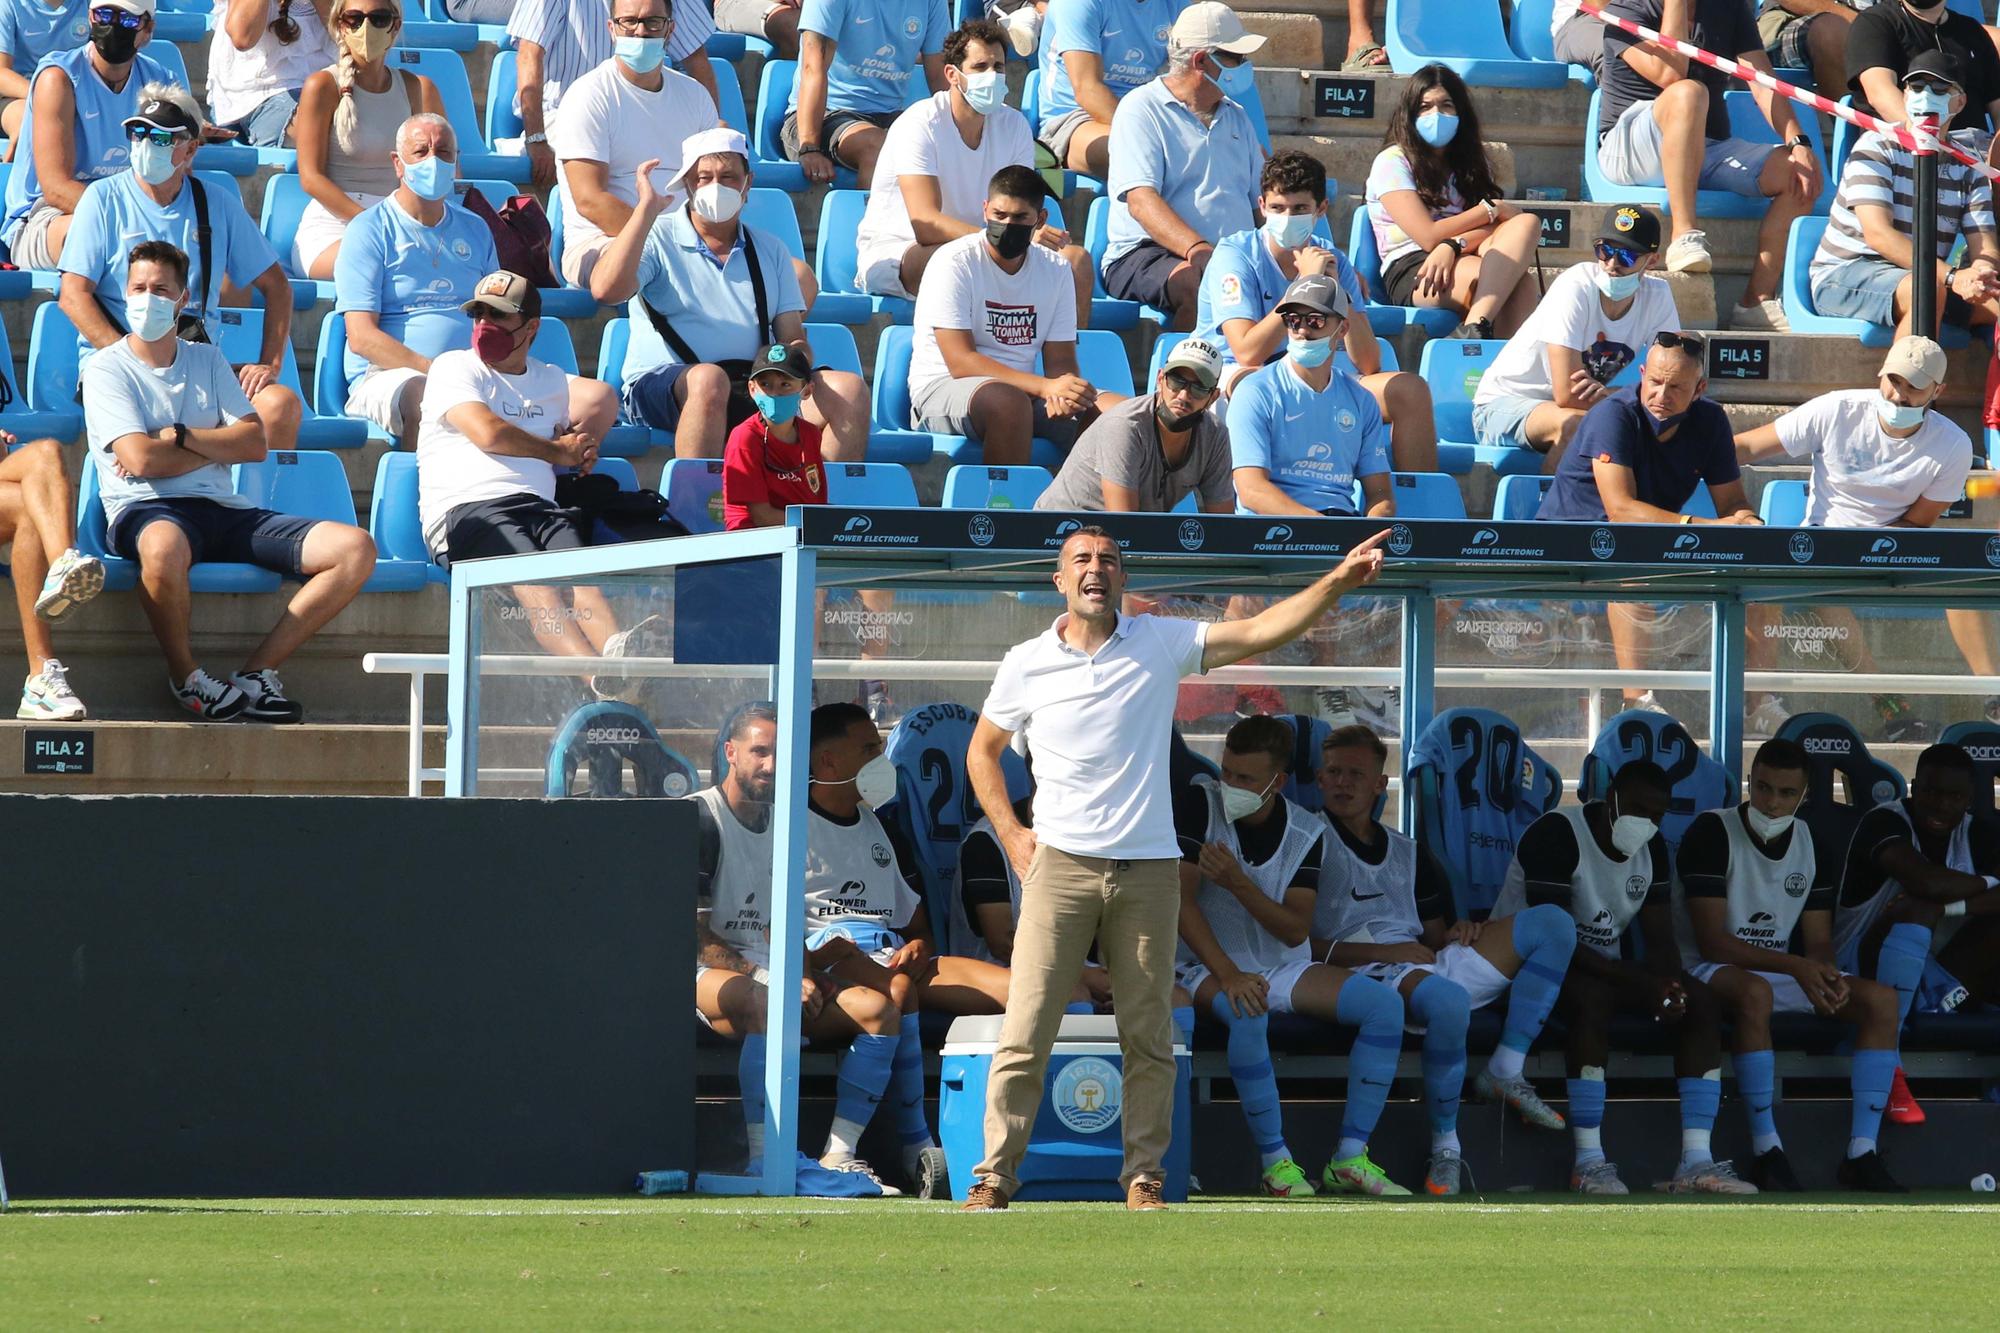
[{"x": 772, "y": 459}]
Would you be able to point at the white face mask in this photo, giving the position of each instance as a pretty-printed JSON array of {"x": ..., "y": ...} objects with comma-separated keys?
[
  {"x": 1629, "y": 833},
  {"x": 1241, "y": 802},
  {"x": 150, "y": 315},
  {"x": 1766, "y": 827},
  {"x": 875, "y": 783},
  {"x": 1923, "y": 102},
  {"x": 985, "y": 90},
  {"x": 716, "y": 202}
]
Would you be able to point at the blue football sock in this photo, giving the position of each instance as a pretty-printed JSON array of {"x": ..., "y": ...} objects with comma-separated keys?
[
  {"x": 1757, "y": 1080},
  {"x": 1586, "y": 1116},
  {"x": 1905, "y": 950},
  {"x": 1377, "y": 1010},
  {"x": 1870, "y": 1077},
  {"x": 1256, "y": 1082},
  {"x": 750, "y": 1077},
  {"x": 1700, "y": 1099},
  {"x": 1445, "y": 1010},
  {"x": 1079, "y": 1007},
  {"x": 1184, "y": 1020},
  {"x": 907, "y": 1077},
  {"x": 1545, "y": 937},
  {"x": 864, "y": 1074}
]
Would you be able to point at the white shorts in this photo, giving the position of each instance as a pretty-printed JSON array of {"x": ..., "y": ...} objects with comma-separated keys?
[
  {"x": 879, "y": 270},
  {"x": 320, "y": 230},
  {"x": 378, "y": 397},
  {"x": 1787, "y": 997},
  {"x": 1460, "y": 964},
  {"x": 1281, "y": 980},
  {"x": 31, "y": 239},
  {"x": 579, "y": 260}
]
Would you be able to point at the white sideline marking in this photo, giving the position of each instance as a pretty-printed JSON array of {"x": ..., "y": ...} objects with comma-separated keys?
[{"x": 791, "y": 1208}]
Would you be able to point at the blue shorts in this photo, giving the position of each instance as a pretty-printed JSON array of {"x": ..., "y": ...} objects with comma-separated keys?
[
  {"x": 265, "y": 127},
  {"x": 650, "y": 401},
  {"x": 219, "y": 532},
  {"x": 1630, "y": 155},
  {"x": 1503, "y": 422},
  {"x": 1141, "y": 273},
  {"x": 1865, "y": 289}
]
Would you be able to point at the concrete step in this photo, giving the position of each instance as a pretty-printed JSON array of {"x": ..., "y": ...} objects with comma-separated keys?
[{"x": 188, "y": 758}]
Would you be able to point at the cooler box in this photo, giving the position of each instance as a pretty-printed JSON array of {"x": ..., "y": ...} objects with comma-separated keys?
[{"x": 1078, "y": 1147}]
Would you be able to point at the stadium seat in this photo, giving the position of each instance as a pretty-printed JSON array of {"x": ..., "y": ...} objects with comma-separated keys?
[
  {"x": 1164, "y": 345},
  {"x": 313, "y": 484},
  {"x": 242, "y": 342},
  {"x": 1783, "y": 504},
  {"x": 446, "y": 69},
  {"x": 1745, "y": 122},
  {"x": 1834, "y": 750},
  {"x": 979, "y": 487},
  {"x": 48, "y": 409},
  {"x": 1435, "y": 321},
  {"x": 278, "y": 217},
  {"x": 1534, "y": 39},
  {"x": 1462, "y": 37},
  {"x": 1105, "y": 313},
  {"x": 836, "y": 259},
  {"x": 1470, "y": 772},
  {"x": 173, "y": 25},
  {"x": 619, "y": 470},
  {"x": 774, "y": 90},
  {"x": 871, "y": 485},
  {"x": 731, "y": 47},
  {"x": 1981, "y": 740},
  {"x": 890, "y": 397},
  {"x": 443, "y": 33},
  {"x": 564, "y": 302},
  {"x": 1796, "y": 293},
  {"x": 1696, "y": 782},
  {"x": 394, "y": 520},
  {"x": 693, "y": 487},
  {"x": 1062, "y": 182},
  {"x": 1452, "y": 367},
  {"x": 1519, "y": 497},
  {"x": 1422, "y": 495},
  {"x": 119, "y": 573},
  {"x": 774, "y": 211}
]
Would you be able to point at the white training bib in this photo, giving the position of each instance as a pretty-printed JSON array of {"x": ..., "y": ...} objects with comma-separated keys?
[
  {"x": 1851, "y": 923},
  {"x": 1604, "y": 895},
  {"x": 740, "y": 891},
  {"x": 1367, "y": 904},
  {"x": 1766, "y": 894},
  {"x": 1242, "y": 937},
  {"x": 852, "y": 875}
]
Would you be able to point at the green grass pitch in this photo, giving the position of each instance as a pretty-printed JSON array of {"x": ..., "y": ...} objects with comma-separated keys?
[{"x": 686, "y": 1262}]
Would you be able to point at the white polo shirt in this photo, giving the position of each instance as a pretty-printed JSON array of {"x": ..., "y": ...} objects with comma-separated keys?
[{"x": 1100, "y": 731}]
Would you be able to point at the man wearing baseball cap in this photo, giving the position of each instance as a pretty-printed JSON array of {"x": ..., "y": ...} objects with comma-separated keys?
[
  {"x": 1301, "y": 430},
  {"x": 1150, "y": 452},
  {"x": 1184, "y": 166},
  {"x": 1589, "y": 328}
]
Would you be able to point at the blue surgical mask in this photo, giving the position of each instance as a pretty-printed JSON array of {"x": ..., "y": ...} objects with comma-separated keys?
[
  {"x": 1901, "y": 416},
  {"x": 777, "y": 408},
  {"x": 1288, "y": 231},
  {"x": 430, "y": 178},
  {"x": 1310, "y": 352},
  {"x": 1921, "y": 102},
  {"x": 1437, "y": 128},
  {"x": 1615, "y": 286},
  {"x": 150, "y": 315},
  {"x": 985, "y": 91},
  {"x": 153, "y": 163},
  {"x": 1661, "y": 425},
  {"x": 642, "y": 54},
  {"x": 1237, "y": 80}
]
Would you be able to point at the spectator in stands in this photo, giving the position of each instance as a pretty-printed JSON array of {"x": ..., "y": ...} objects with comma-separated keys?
[
  {"x": 1884, "y": 41},
  {"x": 776, "y": 21},
  {"x": 1184, "y": 167},
  {"x": 166, "y": 418},
  {"x": 1443, "y": 968},
  {"x": 931, "y": 176},
  {"x": 1862, "y": 269},
  {"x": 1251, "y": 867},
  {"x": 1238, "y": 299},
  {"x": 1092, "y": 53},
  {"x": 1810, "y": 35},
  {"x": 1664, "y": 122},
  {"x": 772, "y": 459},
  {"x": 1592, "y": 324},
  {"x": 699, "y": 277},
  {"x": 613, "y": 118},
  {"x": 30, "y": 30},
  {"x": 1302, "y": 431},
  {"x": 994, "y": 301},
  {"x": 73, "y": 127},
  {"x": 557, "y": 42},
  {"x": 258, "y": 61},
  {"x": 1605, "y": 863},
  {"x": 1881, "y": 458},
  {"x": 346, "y": 129},
  {"x": 51, "y": 577},
  {"x": 1152, "y": 451},
  {"x": 1750, "y": 876},
  {"x": 1579, "y": 38},
  {"x": 732, "y": 972},
  {"x": 1445, "y": 236},
  {"x": 160, "y": 199},
  {"x": 855, "y": 62}
]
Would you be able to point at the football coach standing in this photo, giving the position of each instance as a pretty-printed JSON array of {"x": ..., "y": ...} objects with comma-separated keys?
[{"x": 1095, "y": 697}]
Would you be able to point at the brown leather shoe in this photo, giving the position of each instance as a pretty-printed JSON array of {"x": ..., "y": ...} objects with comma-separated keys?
[
  {"x": 984, "y": 1197},
  {"x": 1143, "y": 1196}
]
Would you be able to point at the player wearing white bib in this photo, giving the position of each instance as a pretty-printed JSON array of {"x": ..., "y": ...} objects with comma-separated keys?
[
  {"x": 1748, "y": 877},
  {"x": 1606, "y": 863},
  {"x": 733, "y": 933},
  {"x": 1384, "y": 905},
  {"x": 1918, "y": 871},
  {"x": 1250, "y": 863}
]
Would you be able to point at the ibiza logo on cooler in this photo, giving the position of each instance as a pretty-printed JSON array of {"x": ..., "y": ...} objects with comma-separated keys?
[
  {"x": 1088, "y": 1095},
  {"x": 1191, "y": 535},
  {"x": 980, "y": 530}
]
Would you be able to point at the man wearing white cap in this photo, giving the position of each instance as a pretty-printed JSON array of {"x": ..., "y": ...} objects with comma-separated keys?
[
  {"x": 1148, "y": 453},
  {"x": 706, "y": 293},
  {"x": 1185, "y": 164}
]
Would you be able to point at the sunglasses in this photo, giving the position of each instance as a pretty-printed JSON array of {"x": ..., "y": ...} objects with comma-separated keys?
[
  {"x": 1686, "y": 342},
  {"x": 374, "y": 18},
  {"x": 1187, "y": 384},
  {"x": 284, "y": 27},
  {"x": 1310, "y": 323},
  {"x": 157, "y": 137},
  {"x": 1625, "y": 255},
  {"x": 1927, "y": 86},
  {"x": 123, "y": 18}
]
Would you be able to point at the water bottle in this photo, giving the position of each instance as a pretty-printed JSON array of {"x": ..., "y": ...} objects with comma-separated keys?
[
  {"x": 663, "y": 1182},
  {"x": 1983, "y": 1184}
]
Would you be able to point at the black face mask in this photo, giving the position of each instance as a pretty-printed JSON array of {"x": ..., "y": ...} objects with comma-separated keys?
[
  {"x": 1172, "y": 422},
  {"x": 114, "y": 43},
  {"x": 1010, "y": 239}
]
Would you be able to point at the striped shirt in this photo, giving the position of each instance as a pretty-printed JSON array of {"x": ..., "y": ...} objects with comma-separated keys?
[
  {"x": 575, "y": 37},
  {"x": 1882, "y": 172}
]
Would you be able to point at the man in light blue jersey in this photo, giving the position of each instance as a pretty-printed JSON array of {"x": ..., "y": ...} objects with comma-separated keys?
[
  {"x": 856, "y": 59},
  {"x": 1093, "y": 52},
  {"x": 31, "y": 30}
]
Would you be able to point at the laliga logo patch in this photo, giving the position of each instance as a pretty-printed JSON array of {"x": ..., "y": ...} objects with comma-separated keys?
[
  {"x": 1603, "y": 544},
  {"x": 1282, "y": 532},
  {"x": 1625, "y": 219},
  {"x": 1232, "y": 289},
  {"x": 980, "y": 530},
  {"x": 1802, "y": 548},
  {"x": 1191, "y": 535},
  {"x": 1401, "y": 539},
  {"x": 1795, "y": 885},
  {"x": 1088, "y": 1095}
]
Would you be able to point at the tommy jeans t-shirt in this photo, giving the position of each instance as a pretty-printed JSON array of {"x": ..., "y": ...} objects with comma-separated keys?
[{"x": 1010, "y": 315}]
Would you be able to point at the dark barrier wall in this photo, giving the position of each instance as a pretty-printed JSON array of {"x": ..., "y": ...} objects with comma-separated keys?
[{"x": 344, "y": 996}]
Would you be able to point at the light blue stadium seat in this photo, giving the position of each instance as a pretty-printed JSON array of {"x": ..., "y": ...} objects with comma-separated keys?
[
  {"x": 1745, "y": 122},
  {"x": 45, "y": 410},
  {"x": 1481, "y": 754},
  {"x": 1452, "y": 367},
  {"x": 1697, "y": 782},
  {"x": 775, "y": 211},
  {"x": 1066, "y": 182},
  {"x": 1796, "y": 293},
  {"x": 446, "y": 69},
  {"x": 1464, "y": 37},
  {"x": 15, "y": 284},
  {"x": 242, "y": 341},
  {"x": 980, "y": 487},
  {"x": 173, "y": 24},
  {"x": 1106, "y": 313},
  {"x": 1164, "y": 345},
  {"x": 730, "y": 47},
  {"x": 693, "y": 487},
  {"x": 563, "y": 302},
  {"x": 836, "y": 258},
  {"x": 1435, "y": 321},
  {"x": 1422, "y": 495},
  {"x": 1519, "y": 496},
  {"x": 1783, "y": 504},
  {"x": 1534, "y": 39},
  {"x": 1701, "y": 504},
  {"x": 774, "y": 89},
  {"x": 313, "y": 484},
  {"x": 394, "y": 520},
  {"x": 613, "y": 341},
  {"x": 871, "y": 485},
  {"x": 619, "y": 470},
  {"x": 119, "y": 573}
]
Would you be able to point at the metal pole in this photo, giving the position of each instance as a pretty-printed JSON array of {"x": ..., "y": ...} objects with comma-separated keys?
[{"x": 1923, "y": 240}]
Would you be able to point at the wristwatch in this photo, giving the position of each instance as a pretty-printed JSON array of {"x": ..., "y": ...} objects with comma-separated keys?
[
  {"x": 180, "y": 436},
  {"x": 1798, "y": 141},
  {"x": 1457, "y": 246},
  {"x": 1492, "y": 211},
  {"x": 805, "y": 148},
  {"x": 535, "y": 138}
]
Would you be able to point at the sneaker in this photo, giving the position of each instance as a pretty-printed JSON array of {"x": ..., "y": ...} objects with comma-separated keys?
[
  {"x": 1765, "y": 719},
  {"x": 209, "y": 699},
  {"x": 1901, "y": 726},
  {"x": 1480, "y": 329},
  {"x": 1284, "y": 1180},
  {"x": 648, "y": 638},
  {"x": 984, "y": 1197},
  {"x": 1867, "y": 1173},
  {"x": 1520, "y": 1094},
  {"x": 933, "y": 1179},
  {"x": 1772, "y": 1173},
  {"x": 1648, "y": 703},
  {"x": 1143, "y": 1196},
  {"x": 1689, "y": 253},
  {"x": 1441, "y": 1178},
  {"x": 1707, "y": 1178},
  {"x": 1334, "y": 705},
  {"x": 46, "y": 697},
  {"x": 1024, "y": 30},
  {"x": 1765, "y": 316},
  {"x": 1358, "y": 1175},
  {"x": 73, "y": 579},
  {"x": 881, "y": 708},
  {"x": 854, "y": 1166},
  {"x": 1598, "y": 1177},
  {"x": 266, "y": 696},
  {"x": 1903, "y": 1108}
]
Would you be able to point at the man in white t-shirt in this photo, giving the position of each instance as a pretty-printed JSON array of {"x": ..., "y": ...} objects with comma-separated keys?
[
  {"x": 1593, "y": 323},
  {"x": 930, "y": 180},
  {"x": 610, "y": 120},
  {"x": 995, "y": 301}
]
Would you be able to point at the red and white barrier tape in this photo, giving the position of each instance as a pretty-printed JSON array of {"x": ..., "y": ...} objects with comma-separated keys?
[{"x": 1914, "y": 139}]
